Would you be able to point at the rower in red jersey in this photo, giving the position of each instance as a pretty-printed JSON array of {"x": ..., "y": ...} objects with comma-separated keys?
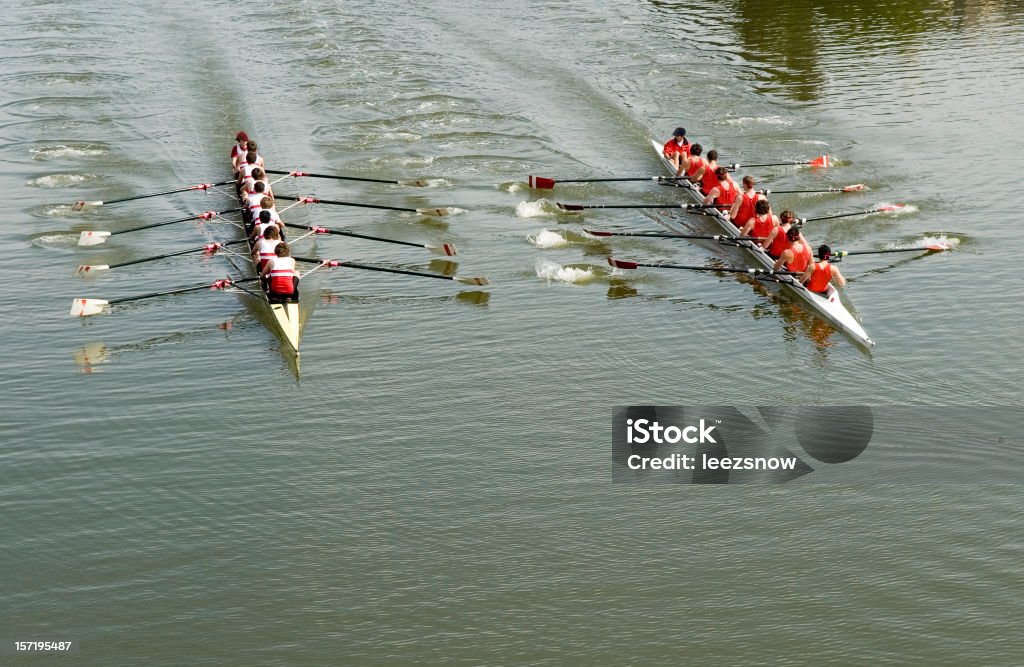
[
  {"x": 724, "y": 194},
  {"x": 820, "y": 274},
  {"x": 284, "y": 279},
  {"x": 796, "y": 257},
  {"x": 239, "y": 150},
  {"x": 762, "y": 224},
  {"x": 706, "y": 176},
  {"x": 677, "y": 148},
  {"x": 743, "y": 207},
  {"x": 776, "y": 242},
  {"x": 692, "y": 164}
]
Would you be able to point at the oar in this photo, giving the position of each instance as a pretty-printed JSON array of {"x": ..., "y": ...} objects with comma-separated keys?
[
  {"x": 849, "y": 188},
  {"x": 447, "y": 249},
  {"x": 542, "y": 183},
  {"x": 934, "y": 247},
  {"x": 82, "y": 205},
  {"x": 417, "y": 183},
  {"x": 99, "y": 236},
  {"x": 822, "y": 161},
  {"x": 209, "y": 248},
  {"x": 314, "y": 200},
  {"x": 662, "y": 235},
  {"x": 880, "y": 209},
  {"x": 368, "y": 267},
  {"x": 86, "y": 307},
  {"x": 626, "y": 264},
  {"x": 688, "y": 207}
]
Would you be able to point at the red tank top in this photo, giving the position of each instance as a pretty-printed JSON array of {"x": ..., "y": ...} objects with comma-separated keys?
[
  {"x": 695, "y": 165},
  {"x": 762, "y": 226},
  {"x": 746, "y": 211},
  {"x": 727, "y": 193},
  {"x": 709, "y": 181},
  {"x": 801, "y": 257},
  {"x": 779, "y": 244},
  {"x": 821, "y": 277}
]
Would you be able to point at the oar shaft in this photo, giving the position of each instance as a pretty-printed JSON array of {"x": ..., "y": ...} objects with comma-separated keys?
[
  {"x": 843, "y": 215},
  {"x": 369, "y": 267},
  {"x": 331, "y": 176},
  {"x": 202, "y": 216},
  {"x": 201, "y": 186},
  {"x": 220, "y": 284},
  {"x": 338, "y": 232},
  {"x": 207, "y": 247},
  {"x": 314, "y": 200}
]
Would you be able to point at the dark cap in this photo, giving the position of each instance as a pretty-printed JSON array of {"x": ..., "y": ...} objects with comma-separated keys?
[
  {"x": 679, "y": 132},
  {"x": 824, "y": 252}
]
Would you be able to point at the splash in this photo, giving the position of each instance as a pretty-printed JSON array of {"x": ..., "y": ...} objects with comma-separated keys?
[
  {"x": 62, "y": 151},
  {"x": 541, "y": 208},
  {"x": 513, "y": 186},
  {"x": 763, "y": 120},
  {"x": 937, "y": 239},
  {"x": 59, "y": 180},
  {"x": 554, "y": 272},
  {"x": 56, "y": 241},
  {"x": 546, "y": 239},
  {"x": 903, "y": 209}
]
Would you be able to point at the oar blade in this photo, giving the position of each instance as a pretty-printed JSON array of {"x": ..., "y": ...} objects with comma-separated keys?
[
  {"x": 598, "y": 232},
  {"x": 87, "y": 307},
  {"x": 938, "y": 247},
  {"x": 85, "y": 205},
  {"x": 91, "y": 269},
  {"x": 95, "y": 237},
  {"x": 854, "y": 188},
  {"x": 446, "y": 249},
  {"x": 890, "y": 207},
  {"x": 414, "y": 183},
  {"x": 569, "y": 207},
  {"x": 621, "y": 263},
  {"x": 434, "y": 212},
  {"x": 822, "y": 162},
  {"x": 477, "y": 280},
  {"x": 540, "y": 183}
]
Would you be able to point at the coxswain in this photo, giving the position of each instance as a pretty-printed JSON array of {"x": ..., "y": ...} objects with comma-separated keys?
[
  {"x": 820, "y": 274},
  {"x": 762, "y": 224},
  {"x": 239, "y": 150},
  {"x": 692, "y": 164},
  {"x": 677, "y": 148},
  {"x": 743, "y": 207},
  {"x": 797, "y": 256},
  {"x": 263, "y": 249},
  {"x": 284, "y": 279},
  {"x": 724, "y": 194},
  {"x": 777, "y": 243},
  {"x": 707, "y": 176}
]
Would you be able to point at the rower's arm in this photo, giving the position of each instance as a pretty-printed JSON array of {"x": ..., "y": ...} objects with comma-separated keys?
[
  {"x": 734, "y": 211},
  {"x": 837, "y": 276},
  {"x": 807, "y": 273},
  {"x": 711, "y": 195}
]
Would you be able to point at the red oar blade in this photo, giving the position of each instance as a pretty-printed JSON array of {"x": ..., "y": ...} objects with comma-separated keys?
[
  {"x": 90, "y": 269},
  {"x": 822, "y": 162},
  {"x": 93, "y": 238},
  {"x": 446, "y": 249},
  {"x": 854, "y": 188},
  {"x": 890, "y": 207},
  {"x": 621, "y": 263},
  {"x": 86, "y": 307},
  {"x": 938, "y": 246},
  {"x": 85, "y": 205},
  {"x": 541, "y": 183}
]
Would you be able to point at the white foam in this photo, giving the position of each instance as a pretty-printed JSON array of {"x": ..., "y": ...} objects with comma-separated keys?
[
  {"x": 554, "y": 272},
  {"x": 61, "y": 150},
  {"x": 513, "y": 186},
  {"x": 547, "y": 239},
  {"x": 904, "y": 210},
  {"x": 59, "y": 180},
  {"x": 935, "y": 239},
  {"x": 763, "y": 120},
  {"x": 541, "y": 208}
]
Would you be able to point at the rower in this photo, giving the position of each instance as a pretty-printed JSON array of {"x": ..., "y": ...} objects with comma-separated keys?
[
  {"x": 820, "y": 274},
  {"x": 676, "y": 148},
  {"x": 762, "y": 224},
  {"x": 261, "y": 223},
  {"x": 256, "y": 175},
  {"x": 797, "y": 256},
  {"x": 724, "y": 194},
  {"x": 254, "y": 199},
  {"x": 706, "y": 176},
  {"x": 284, "y": 279},
  {"x": 743, "y": 207},
  {"x": 776, "y": 242},
  {"x": 239, "y": 150},
  {"x": 692, "y": 164},
  {"x": 245, "y": 170},
  {"x": 263, "y": 249},
  {"x": 252, "y": 149}
]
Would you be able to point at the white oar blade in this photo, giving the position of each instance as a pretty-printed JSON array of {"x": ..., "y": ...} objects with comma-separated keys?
[
  {"x": 91, "y": 269},
  {"x": 85, "y": 205},
  {"x": 437, "y": 212},
  {"x": 415, "y": 183},
  {"x": 92, "y": 238},
  {"x": 479, "y": 280},
  {"x": 447, "y": 249},
  {"x": 86, "y": 307}
]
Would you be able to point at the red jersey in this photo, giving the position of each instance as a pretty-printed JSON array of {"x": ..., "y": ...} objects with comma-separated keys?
[
  {"x": 282, "y": 272},
  {"x": 746, "y": 211},
  {"x": 821, "y": 277},
  {"x": 779, "y": 244},
  {"x": 763, "y": 226},
  {"x": 801, "y": 257},
  {"x": 708, "y": 181},
  {"x": 672, "y": 147},
  {"x": 727, "y": 192},
  {"x": 694, "y": 166}
]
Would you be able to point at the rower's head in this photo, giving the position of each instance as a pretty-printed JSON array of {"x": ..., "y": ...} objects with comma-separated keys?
[
  {"x": 258, "y": 174},
  {"x": 282, "y": 250},
  {"x": 241, "y": 138},
  {"x": 712, "y": 155},
  {"x": 250, "y": 157},
  {"x": 252, "y": 146},
  {"x": 266, "y": 203},
  {"x": 787, "y": 216},
  {"x": 679, "y": 132},
  {"x": 793, "y": 234},
  {"x": 696, "y": 150},
  {"x": 824, "y": 252},
  {"x": 271, "y": 232},
  {"x": 762, "y": 207},
  {"x": 749, "y": 182},
  {"x": 721, "y": 173},
  {"x": 265, "y": 216},
  {"x": 258, "y": 186}
]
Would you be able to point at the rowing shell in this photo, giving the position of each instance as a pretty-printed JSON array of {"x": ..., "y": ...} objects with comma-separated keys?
[
  {"x": 827, "y": 305},
  {"x": 285, "y": 316}
]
